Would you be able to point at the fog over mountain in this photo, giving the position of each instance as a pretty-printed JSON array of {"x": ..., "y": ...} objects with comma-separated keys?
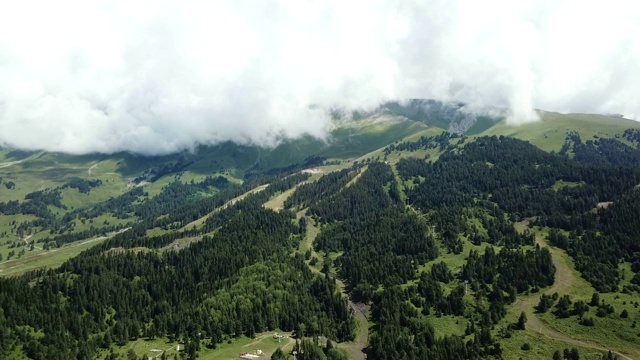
[{"x": 155, "y": 77}]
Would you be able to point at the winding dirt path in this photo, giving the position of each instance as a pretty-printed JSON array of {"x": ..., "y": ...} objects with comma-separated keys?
[
  {"x": 26, "y": 242},
  {"x": 9, "y": 163},
  {"x": 360, "y": 311},
  {"x": 564, "y": 280}
]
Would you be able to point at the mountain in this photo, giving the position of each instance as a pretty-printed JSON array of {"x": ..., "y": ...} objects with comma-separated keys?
[{"x": 392, "y": 237}]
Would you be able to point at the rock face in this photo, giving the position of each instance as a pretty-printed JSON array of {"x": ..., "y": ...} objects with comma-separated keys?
[
  {"x": 453, "y": 116},
  {"x": 467, "y": 120}
]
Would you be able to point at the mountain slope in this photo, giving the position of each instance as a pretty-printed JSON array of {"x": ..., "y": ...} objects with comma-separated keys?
[
  {"x": 550, "y": 132},
  {"x": 422, "y": 228}
]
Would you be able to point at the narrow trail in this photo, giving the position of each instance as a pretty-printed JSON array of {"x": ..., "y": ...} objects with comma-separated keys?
[
  {"x": 354, "y": 348},
  {"x": 37, "y": 257},
  {"x": 277, "y": 203},
  {"x": 256, "y": 340},
  {"x": 91, "y": 168},
  {"x": 26, "y": 242},
  {"x": 312, "y": 233},
  {"x": 229, "y": 203},
  {"x": 9, "y": 163},
  {"x": 564, "y": 280}
]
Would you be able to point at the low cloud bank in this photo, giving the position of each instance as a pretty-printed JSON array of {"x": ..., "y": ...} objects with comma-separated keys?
[{"x": 158, "y": 77}]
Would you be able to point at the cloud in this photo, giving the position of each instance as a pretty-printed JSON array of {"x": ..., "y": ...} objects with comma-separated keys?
[{"x": 155, "y": 77}]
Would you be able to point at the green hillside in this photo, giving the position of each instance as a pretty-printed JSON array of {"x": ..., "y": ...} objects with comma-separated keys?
[
  {"x": 23, "y": 173},
  {"x": 550, "y": 132},
  {"x": 391, "y": 238}
]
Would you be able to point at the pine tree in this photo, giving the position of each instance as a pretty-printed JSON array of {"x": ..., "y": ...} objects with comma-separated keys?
[
  {"x": 131, "y": 355},
  {"x": 278, "y": 355},
  {"x": 522, "y": 320},
  {"x": 107, "y": 341}
]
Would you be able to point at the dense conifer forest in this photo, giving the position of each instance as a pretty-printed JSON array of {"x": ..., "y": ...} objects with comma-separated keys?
[{"x": 205, "y": 261}]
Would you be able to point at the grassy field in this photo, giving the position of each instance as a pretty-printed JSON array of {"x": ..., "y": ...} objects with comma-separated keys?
[
  {"x": 7, "y": 223},
  {"x": 49, "y": 170},
  {"x": 355, "y": 139},
  {"x": 610, "y": 332},
  {"x": 455, "y": 262},
  {"x": 264, "y": 342},
  {"x": 228, "y": 350},
  {"x": 277, "y": 201},
  {"x": 550, "y": 132},
  {"x": 542, "y": 347},
  {"x": 45, "y": 259},
  {"x": 448, "y": 325},
  {"x": 104, "y": 219}
]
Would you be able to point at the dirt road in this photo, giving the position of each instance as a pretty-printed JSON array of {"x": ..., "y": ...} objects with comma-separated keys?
[
  {"x": 360, "y": 311},
  {"x": 564, "y": 280}
]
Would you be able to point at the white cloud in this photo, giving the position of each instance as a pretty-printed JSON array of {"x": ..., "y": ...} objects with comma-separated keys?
[{"x": 159, "y": 76}]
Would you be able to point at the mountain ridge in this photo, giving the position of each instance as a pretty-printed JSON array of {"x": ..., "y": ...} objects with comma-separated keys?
[{"x": 417, "y": 228}]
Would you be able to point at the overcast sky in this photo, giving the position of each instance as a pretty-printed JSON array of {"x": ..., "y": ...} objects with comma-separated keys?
[{"x": 157, "y": 76}]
